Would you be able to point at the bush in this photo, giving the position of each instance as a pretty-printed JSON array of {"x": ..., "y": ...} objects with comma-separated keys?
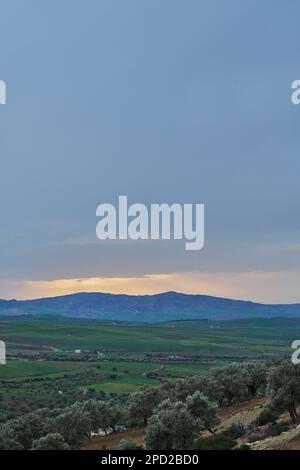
[
  {"x": 245, "y": 447},
  {"x": 237, "y": 430},
  {"x": 256, "y": 436},
  {"x": 127, "y": 444},
  {"x": 268, "y": 415},
  {"x": 216, "y": 442},
  {"x": 276, "y": 429}
]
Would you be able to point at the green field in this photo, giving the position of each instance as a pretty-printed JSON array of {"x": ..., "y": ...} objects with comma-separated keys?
[
  {"x": 131, "y": 375},
  {"x": 16, "y": 369},
  {"x": 131, "y": 372},
  {"x": 245, "y": 335},
  {"x": 40, "y": 363}
]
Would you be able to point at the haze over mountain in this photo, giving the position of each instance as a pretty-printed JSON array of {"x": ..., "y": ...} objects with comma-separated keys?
[{"x": 146, "y": 308}]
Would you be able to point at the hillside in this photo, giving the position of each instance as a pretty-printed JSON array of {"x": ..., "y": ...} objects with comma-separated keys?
[
  {"x": 146, "y": 308},
  {"x": 244, "y": 413}
]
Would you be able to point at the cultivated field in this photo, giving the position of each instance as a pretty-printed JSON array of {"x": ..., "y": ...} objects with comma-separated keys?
[
  {"x": 57, "y": 360},
  {"x": 244, "y": 336}
]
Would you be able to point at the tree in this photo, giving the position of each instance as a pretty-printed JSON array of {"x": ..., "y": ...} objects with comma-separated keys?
[
  {"x": 7, "y": 442},
  {"x": 111, "y": 414},
  {"x": 26, "y": 429},
  {"x": 255, "y": 376},
  {"x": 74, "y": 425},
  {"x": 188, "y": 386},
  {"x": 202, "y": 409},
  {"x": 90, "y": 408},
  {"x": 53, "y": 441},
  {"x": 143, "y": 402},
  {"x": 231, "y": 383},
  {"x": 284, "y": 388},
  {"x": 171, "y": 427},
  {"x": 214, "y": 390},
  {"x": 103, "y": 415}
]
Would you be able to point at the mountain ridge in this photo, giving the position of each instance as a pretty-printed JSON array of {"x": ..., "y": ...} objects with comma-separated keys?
[{"x": 151, "y": 308}]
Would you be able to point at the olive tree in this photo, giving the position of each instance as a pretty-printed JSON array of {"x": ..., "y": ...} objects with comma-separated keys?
[
  {"x": 188, "y": 386},
  {"x": 143, "y": 402},
  {"x": 27, "y": 428},
  {"x": 7, "y": 441},
  {"x": 53, "y": 441},
  {"x": 202, "y": 409},
  {"x": 284, "y": 388},
  {"x": 171, "y": 427},
  {"x": 255, "y": 376},
  {"x": 74, "y": 425},
  {"x": 103, "y": 415},
  {"x": 230, "y": 382}
]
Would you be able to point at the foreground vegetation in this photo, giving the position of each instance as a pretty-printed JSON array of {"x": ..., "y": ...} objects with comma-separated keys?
[{"x": 177, "y": 413}]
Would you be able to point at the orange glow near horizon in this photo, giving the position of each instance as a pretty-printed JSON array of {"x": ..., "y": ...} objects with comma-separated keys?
[{"x": 267, "y": 287}]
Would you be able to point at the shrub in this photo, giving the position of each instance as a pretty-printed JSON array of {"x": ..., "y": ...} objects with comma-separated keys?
[
  {"x": 245, "y": 447},
  {"x": 216, "y": 442},
  {"x": 276, "y": 429},
  {"x": 256, "y": 436},
  {"x": 237, "y": 430},
  {"x": 127, "y": 444},
  {"x": 268, "y": 415}
]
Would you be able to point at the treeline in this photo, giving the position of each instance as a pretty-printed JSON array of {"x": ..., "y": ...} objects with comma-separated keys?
[
  {"x": 175, "y": 412},
  {"x": 61, "y": 428}
]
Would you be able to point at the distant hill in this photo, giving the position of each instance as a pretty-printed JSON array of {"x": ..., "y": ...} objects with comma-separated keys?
[{"x": 146, "y": 308}]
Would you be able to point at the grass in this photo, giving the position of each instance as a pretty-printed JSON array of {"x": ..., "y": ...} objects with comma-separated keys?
[
  {"x": 115, "y": 387},
  {"x": 252, "y": 335},
  {"x": 134, "y": 377},
  {"x": 219, "y": 342},
  {"x": 17, "y": 369},
  {"x": 112, "y": 377}
]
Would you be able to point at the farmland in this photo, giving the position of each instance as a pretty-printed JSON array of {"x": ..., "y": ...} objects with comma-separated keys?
[
  {"x": 242, "y": 336},
  {"x": 59, "y": 361}
]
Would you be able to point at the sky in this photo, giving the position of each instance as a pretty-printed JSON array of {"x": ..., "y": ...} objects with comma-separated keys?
[{"x": 173, "y": 101}]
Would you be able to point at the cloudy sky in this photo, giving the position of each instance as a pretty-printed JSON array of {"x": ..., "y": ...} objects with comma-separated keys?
[{"x": 164, "y": 101}]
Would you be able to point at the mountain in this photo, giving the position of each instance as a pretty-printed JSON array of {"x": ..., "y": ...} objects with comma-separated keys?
[{"x": 146, "y": 308}]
